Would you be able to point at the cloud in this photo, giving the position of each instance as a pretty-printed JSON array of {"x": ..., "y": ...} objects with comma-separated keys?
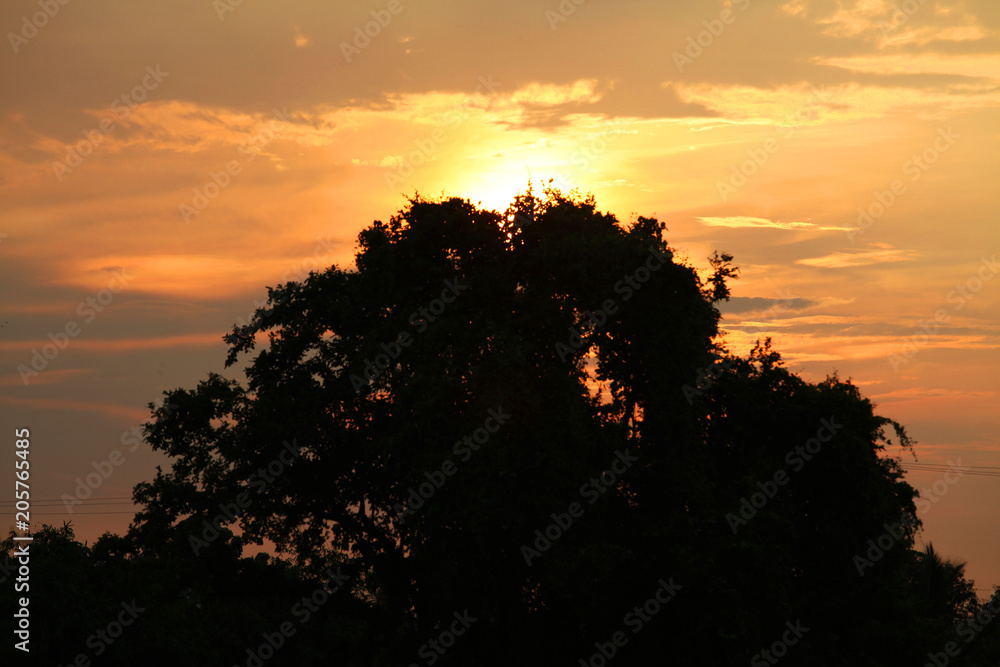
[
  {"x": 743, "y": 221},
  {"x": 48, "y": 377},
  {"x": 747, "y": 304},
  {"x": 389, "y": 161},
  {"x": 113, "y": 410},
  {"x": 840, "y": 260},
  {"x": 611, "y": 99},
  {"x": 883, "y": 23},
  {"x": 921, "y": 393},
  {"x": 124, "y": 344},
  {"x": 805, "y": 357}
]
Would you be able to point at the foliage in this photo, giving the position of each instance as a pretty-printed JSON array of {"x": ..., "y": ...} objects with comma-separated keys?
[{"x": 600, "y": 346}]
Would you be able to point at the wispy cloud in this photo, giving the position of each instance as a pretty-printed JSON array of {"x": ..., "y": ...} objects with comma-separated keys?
[
  {"x": 134, "y": 415},
  {"x": 743, "y": 221},
  {"x": 839, "y": 260},
  {"x": 922, "y": 392},
  {"x": 124, "y": 344},
  {"x": 48, "y": 377},
  {"x": 748, "y": 304}
]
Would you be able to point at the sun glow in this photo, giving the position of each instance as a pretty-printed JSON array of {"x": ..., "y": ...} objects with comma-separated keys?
[{"x": 495, "y": 189}]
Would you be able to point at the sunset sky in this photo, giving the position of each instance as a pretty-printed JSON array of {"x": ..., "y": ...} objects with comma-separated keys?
[{"x": 161, "y": 163}]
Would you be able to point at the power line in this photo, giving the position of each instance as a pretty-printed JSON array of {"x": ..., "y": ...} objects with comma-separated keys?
[
  {"x": 47, "y": 500},
  {"x": 7, "y": 507},
  {"x": 75, "y": 513},
  {"x": 56, "y": 504},
  {"x": 980, "y": 471},
  {"x": 948, "y": 465}
]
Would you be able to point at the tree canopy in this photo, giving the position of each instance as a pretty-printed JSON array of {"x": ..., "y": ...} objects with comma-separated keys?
[{"x": 520, "y": 438}]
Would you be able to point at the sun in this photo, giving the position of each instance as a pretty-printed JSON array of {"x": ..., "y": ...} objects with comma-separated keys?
[
  {"x": 494, "y": 184},
  {"x": 496, "y": 188}
]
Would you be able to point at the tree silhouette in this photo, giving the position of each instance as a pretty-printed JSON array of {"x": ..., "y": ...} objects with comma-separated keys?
[{"x": 530, "y": 419}]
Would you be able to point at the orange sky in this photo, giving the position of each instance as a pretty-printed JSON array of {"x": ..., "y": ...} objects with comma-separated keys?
[{"x": 161, "y": 163}]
